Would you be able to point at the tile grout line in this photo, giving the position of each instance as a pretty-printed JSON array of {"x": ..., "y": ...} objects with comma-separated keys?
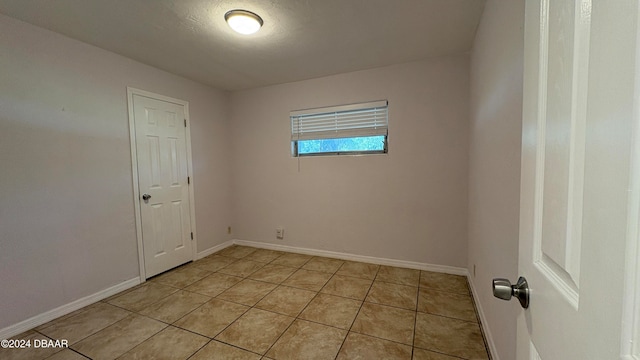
[
  {"x": 357, "y": 313},
  {"x": 415, "y": 318},
  {"x": 177, "y": 327},
  {"x": 215, "y": 297},
  {"x": 253, "y": 306},
  {"x": 301, "y": 311},
  {"x": 362, "y": 304}
]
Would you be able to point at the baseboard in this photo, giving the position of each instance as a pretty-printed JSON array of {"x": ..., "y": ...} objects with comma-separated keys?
[
  {"x": 213, "y": 249},
  {"x": 493, "y": 353},
  {"x": 353, "y": 257},
  {"x": 65, "y": 309}
]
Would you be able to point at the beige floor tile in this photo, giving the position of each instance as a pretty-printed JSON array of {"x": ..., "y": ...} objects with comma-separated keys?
[
  {"x": 359, "y": 270},
  {"x": 143, "y": 296},
  {"x": 323, "y": 264},
  {"x": 67, "y": 354},
  {"x": 28, "y": 353},
  {"x": 403, "y": 296},
  {"x": 214, "y": 262},
  {"x": 170, "y": 343},
  {"x": 25, "y": 334},
  {"x": 332, "y": 310},
  {"x": 236, "y": 251},
  {"x": 444, "y": 282},
  {"x": 449, "y": 336},
  {"x": 218, "y": 351},
  {"x": 241, "y": 268},
  {"x": 213, "y": 284},
  {"x": 286, "y": 300},
  {"x": 263, "y": 255},
  {"x": 181, "y": 277},
  {"x": 121, "y": 293},
  {"x": 292, "y": 260},
  {"x": 362, "y": 347},
  {"x": 212, "y": 317},
  {"x": 86, "y": 323},
  {"x": 118, "y": 338},
  {"x": 307, "y": 340},
  {"x": 175, "y": 306},
  {"x": 420, "y": 354},
  {"x": 247, "y": 292},
  {"x": 459, "y": 306},
  {"x": 307, "y": 279},
  {"x": 385, "y": 322},
  {"x": 398, "y": 275},
  {"x": 347, "y": 287},
  {"x": 256, "y": 330},
  {"x": 73, "y": 313},
  {"x": 273, "y": 273}
]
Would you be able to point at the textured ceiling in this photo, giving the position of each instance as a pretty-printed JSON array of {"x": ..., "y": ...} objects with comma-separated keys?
[{"x": 300, "y": 39}]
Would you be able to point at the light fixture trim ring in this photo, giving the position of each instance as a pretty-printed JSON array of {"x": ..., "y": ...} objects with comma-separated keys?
[{"x": 230, "y": 13}]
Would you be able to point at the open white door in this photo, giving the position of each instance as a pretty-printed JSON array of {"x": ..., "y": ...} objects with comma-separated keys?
[
  {"x": 579, "y": 101},
  {"x": 161, "y": 156}
]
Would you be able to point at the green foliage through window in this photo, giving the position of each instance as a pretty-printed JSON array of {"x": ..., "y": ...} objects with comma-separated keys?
[{"x": 349, "y": 145}]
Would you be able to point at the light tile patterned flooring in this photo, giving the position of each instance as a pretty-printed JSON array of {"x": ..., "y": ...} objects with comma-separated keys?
[{"x": 248, "y": 303}]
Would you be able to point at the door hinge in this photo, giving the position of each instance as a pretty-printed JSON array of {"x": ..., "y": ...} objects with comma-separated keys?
[
  {"x": 192, "y": 235},
  {"x": 185, "y": 122},
  {"x": 188, "y": 180}
]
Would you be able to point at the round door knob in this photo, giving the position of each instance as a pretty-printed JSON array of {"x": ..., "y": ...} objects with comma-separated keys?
[
  {"x": 502, "y": 289},
  {"x": 146, "y": 197}
]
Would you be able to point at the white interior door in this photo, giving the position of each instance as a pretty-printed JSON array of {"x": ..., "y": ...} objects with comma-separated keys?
[
  {"x": 161, "y": 148},
  {"x": 580, "y": 60}
]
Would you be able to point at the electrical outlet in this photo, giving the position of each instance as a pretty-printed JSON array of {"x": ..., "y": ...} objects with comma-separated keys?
[
  {"x": 280, "y": 232},
  {"x": 228, "y": 229}
]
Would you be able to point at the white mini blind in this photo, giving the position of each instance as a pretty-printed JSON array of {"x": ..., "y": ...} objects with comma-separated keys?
[{"x": 364, "y": 119}]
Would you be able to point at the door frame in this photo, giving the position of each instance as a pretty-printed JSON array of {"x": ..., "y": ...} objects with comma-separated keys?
[
  {"x": 134, "y": 171},
  {"x": 630, "y": 344}
]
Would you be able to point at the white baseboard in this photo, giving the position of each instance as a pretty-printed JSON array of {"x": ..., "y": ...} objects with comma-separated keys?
[
  {"x": 213, "y": 249},
  {"x": 352, "y": 257},
  {"x": 493, "y": 352},
  {"x": 65, "y": 309}
]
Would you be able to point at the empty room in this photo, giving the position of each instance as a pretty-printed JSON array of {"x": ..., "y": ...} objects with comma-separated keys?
[{"x": 337, "y": 179}]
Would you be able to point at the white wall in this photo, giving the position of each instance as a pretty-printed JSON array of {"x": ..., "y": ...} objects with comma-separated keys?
[
  {"x": 494, "y": 163},
  {"x": 410, "y": 204},
  {"x": 67, "y": 227}
]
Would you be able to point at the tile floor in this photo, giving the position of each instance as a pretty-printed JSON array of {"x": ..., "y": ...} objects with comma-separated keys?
[{"x": 248, "y": 303}]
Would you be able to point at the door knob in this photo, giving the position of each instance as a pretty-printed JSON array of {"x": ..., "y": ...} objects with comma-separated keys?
[
  {"x": 502, "y": 289},
  {"x": 146, "y": 197}
]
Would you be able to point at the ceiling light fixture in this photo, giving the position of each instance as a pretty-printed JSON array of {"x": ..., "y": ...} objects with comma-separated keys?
[{"x": 243, "y": 21}]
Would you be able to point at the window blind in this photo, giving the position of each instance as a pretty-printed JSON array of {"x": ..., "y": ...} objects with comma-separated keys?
[{"x": 364, "y": 119}]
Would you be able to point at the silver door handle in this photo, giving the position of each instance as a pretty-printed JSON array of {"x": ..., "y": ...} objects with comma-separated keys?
[
  {"x": 502, "y": 289},
  {"x": 146, "y": 197}
]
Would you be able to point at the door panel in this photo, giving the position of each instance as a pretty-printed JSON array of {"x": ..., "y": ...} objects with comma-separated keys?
[
  {"x": 577, "y": 121},
  {"x": 162, "y": 174},
  {"x": 562, "y": 68},
  {"x": 156, "y": 237}
]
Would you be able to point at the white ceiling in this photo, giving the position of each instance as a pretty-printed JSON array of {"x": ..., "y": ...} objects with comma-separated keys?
[{"x": 300, "y": 39}]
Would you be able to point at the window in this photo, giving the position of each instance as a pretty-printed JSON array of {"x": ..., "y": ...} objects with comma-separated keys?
[{"x": 340, "y": 130}]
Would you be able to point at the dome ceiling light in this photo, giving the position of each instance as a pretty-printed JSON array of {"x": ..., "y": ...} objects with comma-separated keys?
[{"x": 243, "y": 21}]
